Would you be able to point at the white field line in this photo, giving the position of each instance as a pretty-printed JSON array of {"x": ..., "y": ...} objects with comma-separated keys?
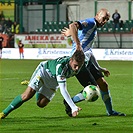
[
  {"x": 121, "y": 74},
  {"x": 9, "y": 78},
  {"x": 2, "y": 78}
]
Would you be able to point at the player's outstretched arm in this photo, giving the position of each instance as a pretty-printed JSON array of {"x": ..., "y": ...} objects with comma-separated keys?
[
  {"x": 66, "y": 96},
  {"x": 73, "y": 32}
]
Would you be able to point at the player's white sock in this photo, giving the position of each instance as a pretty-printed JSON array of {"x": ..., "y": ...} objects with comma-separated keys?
[{"x": 78, "y": 98}]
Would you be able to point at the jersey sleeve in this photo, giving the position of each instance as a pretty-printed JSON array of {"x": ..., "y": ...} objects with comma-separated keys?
[
  {"x": 87, "y": 23},
  {"x": 66, "y": 96},
  {"x": 61, "y": 79}
]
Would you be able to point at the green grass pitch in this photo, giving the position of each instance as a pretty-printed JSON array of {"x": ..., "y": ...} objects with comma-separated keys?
[{"x": 29, "y": 118}]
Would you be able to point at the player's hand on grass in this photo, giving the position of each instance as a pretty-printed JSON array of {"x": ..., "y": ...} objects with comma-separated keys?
[
  {"x": 75, "y": 113},
  {"x": 66, "y": 32}
]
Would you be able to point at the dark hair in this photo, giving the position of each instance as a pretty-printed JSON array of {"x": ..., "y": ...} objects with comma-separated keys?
[{"x": 78, "y": 56}]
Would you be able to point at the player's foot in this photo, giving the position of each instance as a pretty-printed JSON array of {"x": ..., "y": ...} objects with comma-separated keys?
[
  {"x": 67, "y": 108},
  {"x": 25, "y": 82},
  {"x": 2, "y": 115},
  {"x": 114, "y": 113}
]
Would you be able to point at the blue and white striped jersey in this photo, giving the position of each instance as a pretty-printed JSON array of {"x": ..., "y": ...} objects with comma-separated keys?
[{"x": 87, "y": 35}]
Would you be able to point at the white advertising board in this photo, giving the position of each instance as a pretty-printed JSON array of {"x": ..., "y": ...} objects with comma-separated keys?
[
  {"x": 52, "y": 53},
  {"x": 113, "y": 54},
  {"x": 35, "y": 53}
]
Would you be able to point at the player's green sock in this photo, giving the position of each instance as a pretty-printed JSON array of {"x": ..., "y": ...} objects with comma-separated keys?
[
  {"x": 17, "y": 102},
  {"x": 78, "y": 98},
  {"x": 106, "y": 97},
  {"x": 37, "y": 96}
]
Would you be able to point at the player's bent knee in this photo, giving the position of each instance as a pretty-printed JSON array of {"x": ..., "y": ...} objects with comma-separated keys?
[
  {"x": 25, "y": 97},
  {"x": 41, "y": 105},
  {"x": 28, "y": 94},
  {"x": 42, "y": 102}
]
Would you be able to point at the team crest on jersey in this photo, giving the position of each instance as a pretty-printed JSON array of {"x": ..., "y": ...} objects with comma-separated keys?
[
  {"x": 62, "y": 78},
  {"x": 85, "y": 24}
]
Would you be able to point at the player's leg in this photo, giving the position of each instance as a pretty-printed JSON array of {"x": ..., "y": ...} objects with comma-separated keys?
[
  {"x": 105, "y": 93},
  {"x": 0, "y": 53},
  {"x": 106, "y": 97},
  {"x": 42, "y": 101},
  {"x": 47, "y": 91},
  {"x": 20, "y": 55},
  {"x": 85, "y": 78},
  {"x": 44, "y": 96},
  {"x": 18, "y": 101},
  {"x": 23, "y": 55},
  {"x": 34, "y": 85}
]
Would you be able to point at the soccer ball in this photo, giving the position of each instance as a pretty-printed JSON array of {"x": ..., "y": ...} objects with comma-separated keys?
[{"x": 91, "y": 93}]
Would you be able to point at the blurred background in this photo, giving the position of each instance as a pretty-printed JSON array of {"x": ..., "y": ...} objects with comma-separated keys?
[{"x": 38, "y": 23}]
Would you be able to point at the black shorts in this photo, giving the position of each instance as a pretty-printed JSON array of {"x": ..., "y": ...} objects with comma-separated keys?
[
  {"x": 96, "y": 74},
  {"x": 89, "y": 75}
]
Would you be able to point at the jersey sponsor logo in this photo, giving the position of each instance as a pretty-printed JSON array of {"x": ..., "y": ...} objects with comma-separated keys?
[{"x": 61, "y": 78}]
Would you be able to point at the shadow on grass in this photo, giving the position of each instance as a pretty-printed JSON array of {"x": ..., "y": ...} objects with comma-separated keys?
[
  {"x": 64, "y": 123},
  {"x": 102, "y": 115},
  {"x": 59, "y": 118}
]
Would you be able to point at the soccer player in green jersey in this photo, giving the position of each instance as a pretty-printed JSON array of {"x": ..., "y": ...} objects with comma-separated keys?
[{"x": 46, "y": 79}]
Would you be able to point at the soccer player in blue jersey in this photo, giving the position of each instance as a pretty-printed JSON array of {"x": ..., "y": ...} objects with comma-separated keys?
[
  {"x": 46, "y": 79},
  {"x": 87, "y": 32}
]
